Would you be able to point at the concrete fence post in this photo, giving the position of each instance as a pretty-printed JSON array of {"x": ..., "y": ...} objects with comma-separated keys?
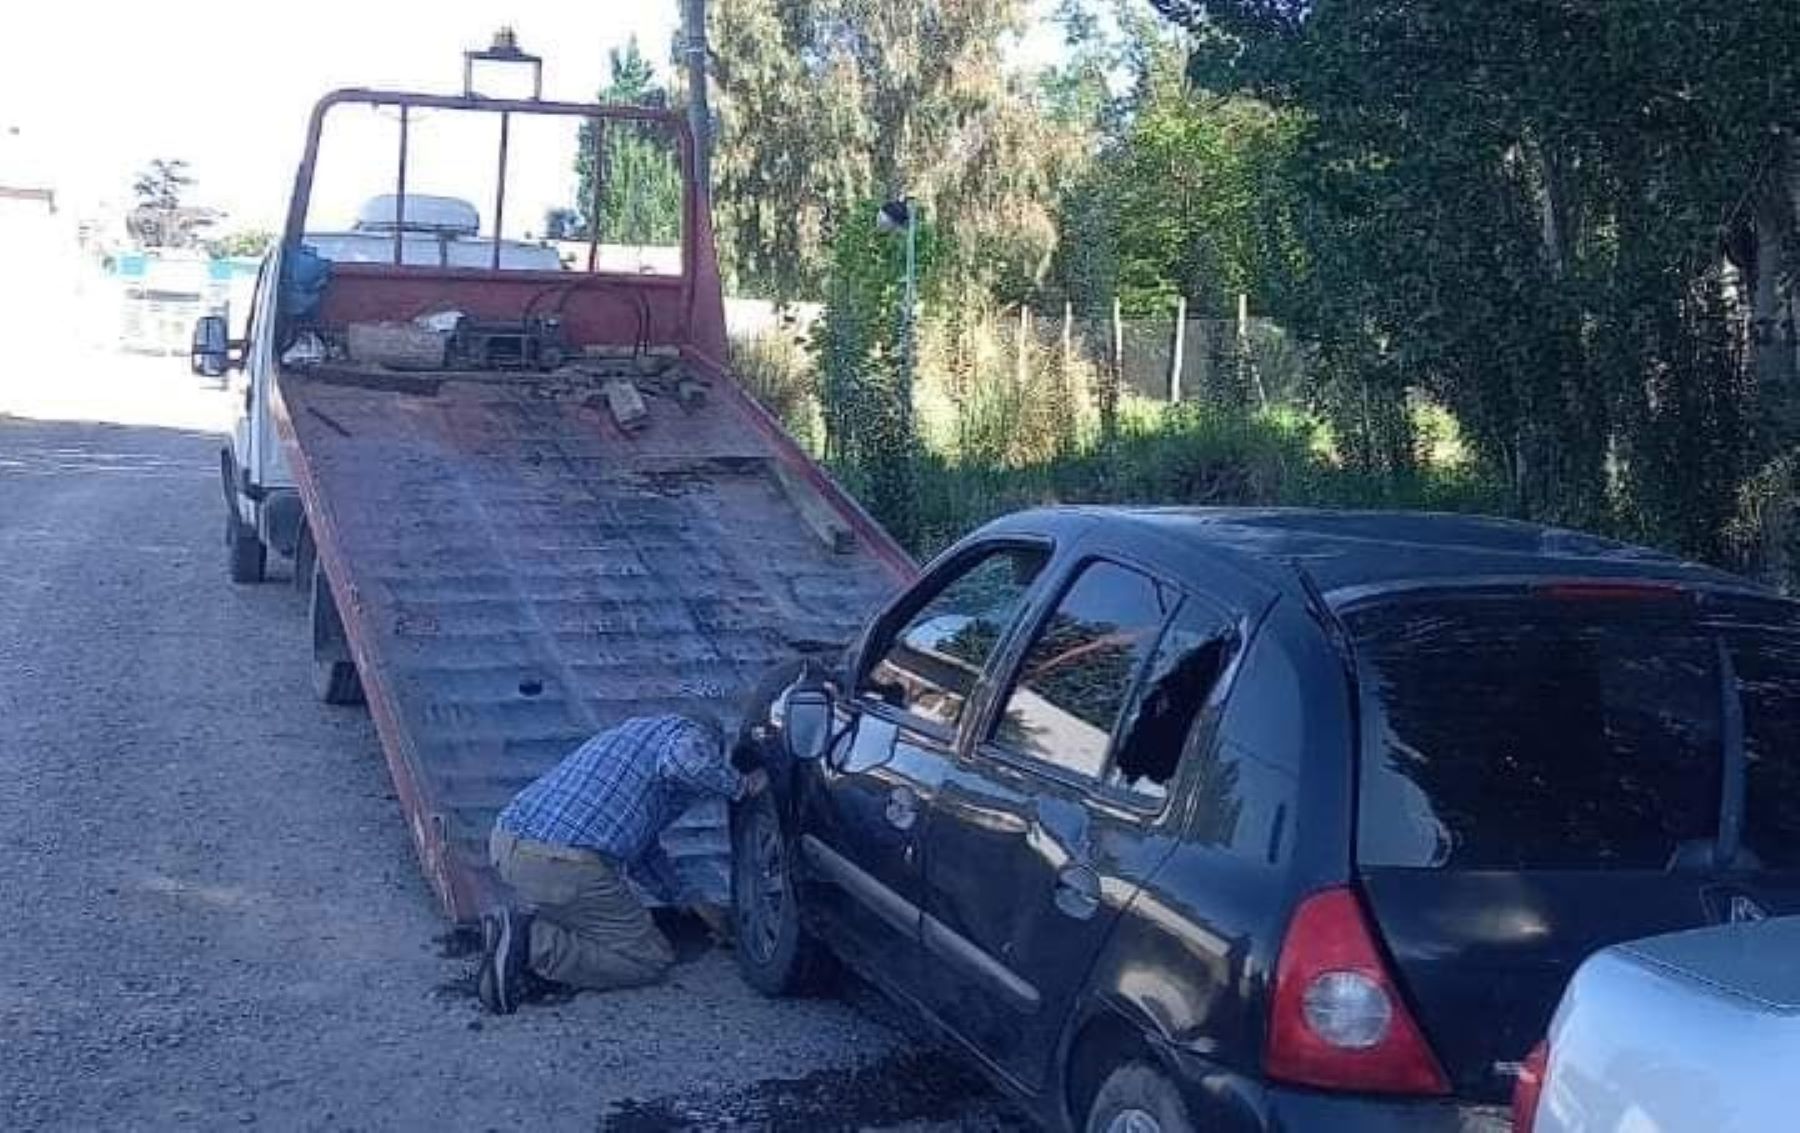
[
  {"x": 1177, "y": 355},
  {"x": 1020, "y": 367}
]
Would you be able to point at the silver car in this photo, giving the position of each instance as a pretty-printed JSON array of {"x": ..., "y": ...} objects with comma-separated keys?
[{"x": 1695, "y": 1032}]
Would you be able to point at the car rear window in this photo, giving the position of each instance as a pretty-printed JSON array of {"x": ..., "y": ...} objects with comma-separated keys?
[{"x": 1545, "y": 733}]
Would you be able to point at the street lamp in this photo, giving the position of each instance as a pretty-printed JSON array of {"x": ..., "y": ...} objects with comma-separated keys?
[{"x": 902, "y": 215}]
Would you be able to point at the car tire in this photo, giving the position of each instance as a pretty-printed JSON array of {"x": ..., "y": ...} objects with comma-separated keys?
[
  {"x": 774, "y": 953},
  {"x": 1138, "y": 1098},
  {"x": 335, "y": 679},
  {"x": 246, "y": 557}
]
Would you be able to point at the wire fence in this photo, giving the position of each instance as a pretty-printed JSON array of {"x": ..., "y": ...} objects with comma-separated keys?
[
  {"x": 1246, "y": 363},
  {"x": 1019, "y": 386}
]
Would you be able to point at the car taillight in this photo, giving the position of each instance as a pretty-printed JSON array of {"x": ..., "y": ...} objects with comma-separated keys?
[
  {"x": 1336, "y": 1020},
  {"x": 1528, "y": 1090}
]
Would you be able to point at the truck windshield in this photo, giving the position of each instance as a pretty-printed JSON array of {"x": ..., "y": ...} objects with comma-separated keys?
[
  {"x": 1536, "y": 733},
  {"x": 435, "y": 186}
]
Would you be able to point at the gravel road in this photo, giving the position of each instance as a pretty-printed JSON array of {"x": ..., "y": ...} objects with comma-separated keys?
[{"x": 216, "y": 915}]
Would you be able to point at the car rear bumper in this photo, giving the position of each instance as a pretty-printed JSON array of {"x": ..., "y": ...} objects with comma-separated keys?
[
  {"x": 1222, "y": 1099},
  {"x": 1295, "y": 1111}
]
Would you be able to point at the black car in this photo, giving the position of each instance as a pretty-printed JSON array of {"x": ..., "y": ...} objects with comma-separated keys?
[{"x": 1270, "y": 820}]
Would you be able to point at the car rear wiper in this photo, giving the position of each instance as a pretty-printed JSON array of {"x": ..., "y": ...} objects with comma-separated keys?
[
  {"x": 1322, "y": 613},
  {"x": 1725, "y": 850}
]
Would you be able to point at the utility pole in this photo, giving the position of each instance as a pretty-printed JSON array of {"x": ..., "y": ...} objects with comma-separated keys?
[
  {"x": 699, "y": 114},
  {"x": 909, "y": 330}
]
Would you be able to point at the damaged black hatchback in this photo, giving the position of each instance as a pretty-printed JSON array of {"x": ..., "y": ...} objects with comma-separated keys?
[{"x": 1269, "y": 820}]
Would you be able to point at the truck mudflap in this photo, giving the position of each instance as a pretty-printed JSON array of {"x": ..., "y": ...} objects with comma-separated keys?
[{"x": 517, "y": 569}]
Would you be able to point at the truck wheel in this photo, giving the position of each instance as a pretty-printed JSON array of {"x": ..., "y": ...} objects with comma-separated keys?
[
  {"x": 305, "y": 558},
  {"x": 774, "y": 954},
  {"x": 1136, "y": 1098},
  {"x": 246, "y": 556},
  {"x": 335, "y": 680}
]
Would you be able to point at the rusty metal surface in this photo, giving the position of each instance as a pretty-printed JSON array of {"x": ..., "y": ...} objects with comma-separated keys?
[{"x": 516, "y": 572}]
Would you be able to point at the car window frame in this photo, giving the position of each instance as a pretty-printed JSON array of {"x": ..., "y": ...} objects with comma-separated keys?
[
  {"x": 252, "y": 318},
  {"x": 1012, "y": 661},
  {"x": 885, "y": 630}
]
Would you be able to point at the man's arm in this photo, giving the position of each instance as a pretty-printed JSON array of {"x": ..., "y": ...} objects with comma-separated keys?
[{"x": 658, "y": 874}]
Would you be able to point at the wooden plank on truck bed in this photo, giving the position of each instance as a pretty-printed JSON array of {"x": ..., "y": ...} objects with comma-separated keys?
[
  {"x": 819, "y": 516},
  {"x": 626, "y": 403}
]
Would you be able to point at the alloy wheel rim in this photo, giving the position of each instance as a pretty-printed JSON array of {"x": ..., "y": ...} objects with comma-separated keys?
[
  {"x": 1133, "y": 1121},
  {"x": 763, "y": 879}
]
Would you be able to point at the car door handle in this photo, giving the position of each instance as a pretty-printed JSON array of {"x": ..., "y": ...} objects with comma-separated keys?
[
  {"x": 1078, "y": 892},
  {"x": 902, "y": 808}
]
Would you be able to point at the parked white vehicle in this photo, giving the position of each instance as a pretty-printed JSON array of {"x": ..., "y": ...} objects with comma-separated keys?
[{"x": 1695, "y": 1032}]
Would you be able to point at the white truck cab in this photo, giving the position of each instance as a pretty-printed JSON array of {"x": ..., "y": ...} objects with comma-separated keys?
[{"x": 262, "y": 509}]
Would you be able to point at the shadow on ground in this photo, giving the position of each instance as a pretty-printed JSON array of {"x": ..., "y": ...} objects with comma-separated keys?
[
  {"x": 908, "y": 1086},
  {"x": 914, "y": 1085}
]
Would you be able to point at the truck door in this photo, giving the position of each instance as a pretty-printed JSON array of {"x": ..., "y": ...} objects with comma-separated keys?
[
  {"x": 918, "y": 675},
  {"x": 1047, "y": 830},
  {"x": 259, "y": 447}
]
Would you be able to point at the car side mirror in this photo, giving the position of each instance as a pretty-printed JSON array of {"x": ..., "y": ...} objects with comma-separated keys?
[
  {"x": 210, "y": 353},
  {"x": 807, "y": 718}
]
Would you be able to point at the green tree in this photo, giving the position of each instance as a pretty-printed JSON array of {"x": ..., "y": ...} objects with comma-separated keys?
[
  {"x": 1529, "y": 213},
  {"x": 825, "y": 104},
  {"x": 163, "y": 184},
  {"x": 792, "y": 147},
  {"x": 640, "y": 190},
  {"x": 829, "y": 107},
  {"x": 243, "y": 243},
  {"x": 871, "y": 436},
  {"x": 162, "y": 217}
]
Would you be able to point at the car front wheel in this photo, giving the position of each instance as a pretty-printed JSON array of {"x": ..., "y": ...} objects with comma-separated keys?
[
  {"x": 773, "y": 952},
  {"x": 1137, "y": 1098}
]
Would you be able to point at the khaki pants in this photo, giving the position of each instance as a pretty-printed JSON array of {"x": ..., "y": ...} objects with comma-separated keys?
[{"x": 590, "y": 930}]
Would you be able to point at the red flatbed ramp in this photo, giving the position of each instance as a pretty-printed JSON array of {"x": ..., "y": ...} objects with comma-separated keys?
[{"x": 515, "y": 571}]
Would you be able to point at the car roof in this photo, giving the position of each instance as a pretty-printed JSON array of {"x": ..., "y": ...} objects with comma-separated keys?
[
  {"x": 1753, "y": 962},
  {"x": 1348, "y": 554}
]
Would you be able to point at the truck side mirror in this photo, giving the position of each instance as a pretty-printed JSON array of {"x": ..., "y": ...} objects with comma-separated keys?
[
  {"x": 808, "y": 715},
  {"x": 210, "y": 353}
]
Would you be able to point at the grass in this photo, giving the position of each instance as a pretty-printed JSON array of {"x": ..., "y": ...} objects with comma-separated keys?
[
  {"x": 1187, "y": 457},
  {"x": 1004, "y": 445}
]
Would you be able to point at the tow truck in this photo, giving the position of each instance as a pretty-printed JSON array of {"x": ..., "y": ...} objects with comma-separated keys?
[{"x": 518, "y": 483}]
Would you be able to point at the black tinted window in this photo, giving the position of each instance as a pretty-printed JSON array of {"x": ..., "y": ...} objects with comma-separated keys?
[
  {"x": 1548, "y": 734},
  {"x": 1183, "y": 673},
  {"x": 1768, "y": 671},
  {"x": 930, "y": 667},
  {"x": 1080, "y": 668}
]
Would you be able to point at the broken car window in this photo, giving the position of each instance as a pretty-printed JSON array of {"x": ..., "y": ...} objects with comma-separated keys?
[{"x": 1183, "y": 676}]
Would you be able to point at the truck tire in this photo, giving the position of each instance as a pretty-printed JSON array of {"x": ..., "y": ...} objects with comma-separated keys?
[
  {"x": 305, "y": 558},
  {"x": 246, "y": 558},
  {"x": 774, "y": 953},
  {"x": 335, "y": 680}
]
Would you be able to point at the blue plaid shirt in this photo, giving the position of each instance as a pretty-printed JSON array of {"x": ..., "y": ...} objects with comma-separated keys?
[{"x": 621, "y": 789}]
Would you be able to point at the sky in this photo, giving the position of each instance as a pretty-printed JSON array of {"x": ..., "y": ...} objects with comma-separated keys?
[{"x": 90, "y": 92}]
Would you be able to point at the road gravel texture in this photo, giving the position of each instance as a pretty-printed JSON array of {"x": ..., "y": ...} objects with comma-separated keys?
[{"x": 215, "y": 917}]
